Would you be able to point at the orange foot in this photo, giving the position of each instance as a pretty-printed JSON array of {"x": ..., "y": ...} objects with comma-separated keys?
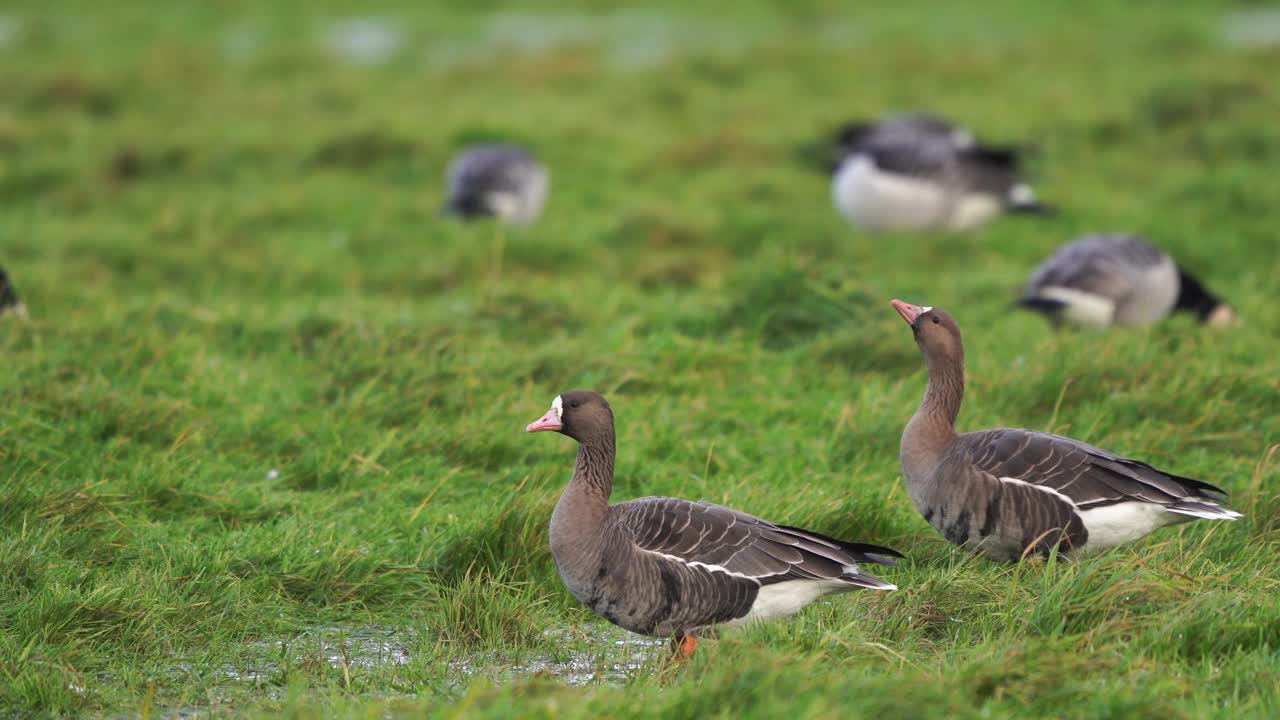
[{"x": 684, "y": 646}]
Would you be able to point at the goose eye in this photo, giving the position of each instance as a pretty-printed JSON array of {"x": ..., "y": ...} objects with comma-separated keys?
[
  {"x": 574, "y": 403},
  {"x": 935, "y": 319}
]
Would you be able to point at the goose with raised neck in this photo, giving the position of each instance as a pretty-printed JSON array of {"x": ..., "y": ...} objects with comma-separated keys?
[
  {"x": 675, "y": 568},
  {"x": 1008, "y": 492}
]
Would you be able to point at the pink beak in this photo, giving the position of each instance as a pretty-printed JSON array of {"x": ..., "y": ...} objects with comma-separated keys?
[
  {"x": 908, "y": 311},
  {"x": 545, "y": 423}
]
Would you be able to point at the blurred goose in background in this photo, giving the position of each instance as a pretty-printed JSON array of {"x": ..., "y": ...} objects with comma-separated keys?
[
  {"x": 1006, "y": 492},
  {"x": 9, "y": 301},
  {"x": 668, "y": 567},
  {"x": 917, "y": 126},
  {"x": 1111, "y": 279},
  {"x": 920, "y": 172},
  {"x": 499, "y": 180}
]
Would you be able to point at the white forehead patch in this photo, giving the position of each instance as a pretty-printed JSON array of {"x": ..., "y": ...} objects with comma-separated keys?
[
  {"x": 558, "y": 406},
  {"x": 923, "y": 310}
]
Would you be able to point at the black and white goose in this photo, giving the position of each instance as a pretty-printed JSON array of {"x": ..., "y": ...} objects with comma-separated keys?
[
  {"x": 675, "y": 568},
  {"x": 9, "y": 301},
  {"x": 912, "y": 180},
  {"x": 1007, "y": 492},
  {"x": 497, "y": 180},
  {"x": 1102, "y": 280}
]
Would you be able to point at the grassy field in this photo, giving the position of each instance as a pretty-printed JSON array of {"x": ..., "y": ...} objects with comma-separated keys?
[{"x": 261, "y": 439}]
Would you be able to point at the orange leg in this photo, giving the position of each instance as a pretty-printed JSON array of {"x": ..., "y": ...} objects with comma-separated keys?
[{"x": 684, "y": 646}]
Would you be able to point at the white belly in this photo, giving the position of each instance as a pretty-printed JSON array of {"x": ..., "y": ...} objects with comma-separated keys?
[
  {"x": 1081, "y": 308},
  {"x": 1154, "y": 294},
  {"x": 524, "y": 206},
  {"x": 1112, "y": 525},
  {"x": 786, "y": 598},
  {"x": 973, "y": 210},
  {"x": 874, "y": 200}
]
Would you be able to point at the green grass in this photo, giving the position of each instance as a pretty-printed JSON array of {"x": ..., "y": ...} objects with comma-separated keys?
[{"x": 261, "y": 445}]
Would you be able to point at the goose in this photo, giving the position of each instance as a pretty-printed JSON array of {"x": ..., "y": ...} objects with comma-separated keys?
[
  {"x": 667, "y": 567},
  {"x": 9, "y": 301},
  {"x": 499, "y": 180},
  {"x": 918, "y": 126},
  {"x": 1100, "y": 280},
  {"x": 899, "y": 181},
  {"x": 1006, "y": 492}
]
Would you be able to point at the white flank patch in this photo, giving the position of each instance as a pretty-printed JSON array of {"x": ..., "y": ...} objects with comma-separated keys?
[
  {"x": 695, "y": 563},
  {"x": 875, "y": 200},
  {"x": 558, "y": 406},
  {"x": 973, "y": 210},
  {"x": 1042, "y": 488},
  {"x": 1022, "y": 194},
  {"x": 962, "y": 139},
  {"x": 1112, "y": 525},
  {"x": 503, "y": 204},
  {"x": 786, "y": 598},
  {"x": 1082, "y": 308}
]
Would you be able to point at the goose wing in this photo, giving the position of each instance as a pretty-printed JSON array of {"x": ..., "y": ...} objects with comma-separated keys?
[
  {"x": 724, "y": 540},
  {"x": 1087, "y": 476},
  {"x": 1099, "y": 264}
]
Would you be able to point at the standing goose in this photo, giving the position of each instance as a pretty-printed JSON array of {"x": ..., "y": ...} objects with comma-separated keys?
[
  {"x": 500, "y": 180},
  {"x": 668, "y": 567},
  {"x": 9, "y": 302},
  {"x": 903, "y": 181},
  {"x": 1005, "y": 492},
  {"x": 1106, "y": 279}
]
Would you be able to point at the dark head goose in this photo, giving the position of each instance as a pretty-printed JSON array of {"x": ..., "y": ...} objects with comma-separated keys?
[
  {"x": 499, "y": 180},
  {"x": 9, "y": 302},
  {"x": 909, "y": 179},
  {"x": 1109, "y": 279},
  {"x": 1005, "y": 492},
  {"x": 675, "y": 568}
]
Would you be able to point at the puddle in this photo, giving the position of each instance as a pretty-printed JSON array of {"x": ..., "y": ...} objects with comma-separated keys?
[
  {"x": 593, "y": 653},
  {"x": 10, "y": 27},
  {"x": 1259, "y": 28},
  {"x": 241, "y": 44},
  {"x": 365, "y": 647},
  {"x": 631, "y": 39},
  {"x": 364, "y": 40},
  {"x": 612, "y": 656}
]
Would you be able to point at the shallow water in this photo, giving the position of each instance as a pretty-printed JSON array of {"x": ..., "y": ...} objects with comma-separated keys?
[
  {"x": 630, "y": 39},
  {"x": 364, "y": 40},
  {"x": 366, "y": 646},
  {"x": 1259, "y": 27},
  {"x": 9, "y": 29},
  {"x": 612, "y": 656},
  {"x": 600, "y": 654}
]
